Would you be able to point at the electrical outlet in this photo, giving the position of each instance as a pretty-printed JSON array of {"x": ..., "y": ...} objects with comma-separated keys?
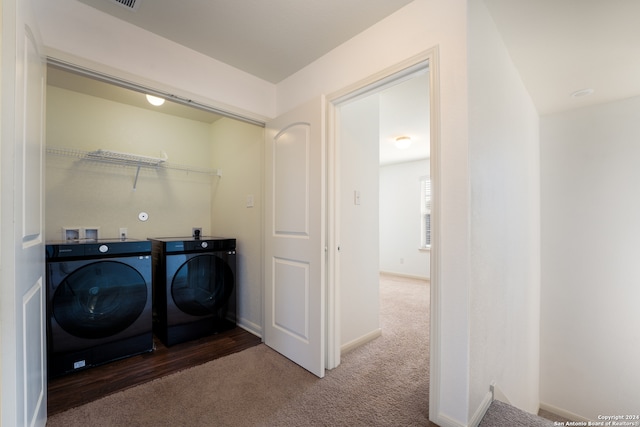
[{"x": 123, "y": 233}]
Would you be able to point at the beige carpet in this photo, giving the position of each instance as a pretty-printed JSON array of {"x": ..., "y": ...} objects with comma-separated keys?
[{"x": 383, "y": 383}]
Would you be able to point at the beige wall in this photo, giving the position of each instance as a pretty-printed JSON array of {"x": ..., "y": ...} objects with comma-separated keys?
[
  {"x": 238, "y": 148},
  {"x": 81, "y": 193}
]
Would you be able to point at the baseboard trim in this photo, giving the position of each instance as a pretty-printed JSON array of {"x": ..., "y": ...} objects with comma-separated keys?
[
  {"x": 444, "y": 421},
  {"x": 250, "y": 327},
  {"x": 345, "y": 348},
  {"x": 562, "y": 413}
]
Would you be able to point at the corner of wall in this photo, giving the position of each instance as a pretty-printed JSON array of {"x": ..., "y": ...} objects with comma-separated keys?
[{"x": 482, "y": 409}]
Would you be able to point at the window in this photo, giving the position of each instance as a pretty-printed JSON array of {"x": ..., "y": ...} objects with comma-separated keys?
[{"x": 425, "y": 212}]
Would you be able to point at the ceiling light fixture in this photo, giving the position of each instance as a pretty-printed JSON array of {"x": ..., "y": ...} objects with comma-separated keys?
[
  {"x": 154, "y": 100},
  {"x": 582, "y": 92},
  {"x": 403, "y": 142}
]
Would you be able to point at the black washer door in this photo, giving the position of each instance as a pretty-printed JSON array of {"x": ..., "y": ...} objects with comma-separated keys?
[
  {"x": 202, "y": 285},
  {"x": 100, "y": 299}
]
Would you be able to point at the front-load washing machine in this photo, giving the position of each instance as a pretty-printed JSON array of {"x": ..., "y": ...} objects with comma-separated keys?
[
  {"x": 99, "y": 296},
  {"x": 194, "y": 287}
]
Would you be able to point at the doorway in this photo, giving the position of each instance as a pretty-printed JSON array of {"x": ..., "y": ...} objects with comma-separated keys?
[
  {"x": 380, "y": 183},
  {"x": 354, "y": 212}
]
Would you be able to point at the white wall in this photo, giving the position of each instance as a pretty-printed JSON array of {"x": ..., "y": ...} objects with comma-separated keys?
[
  {"x": 400, "y": 219},
  {"x": 238, "y": 149},
  {"x": 590, "y": 326},
  {"x": 505, "y": 221},
  {"x": 359, "y": 237},
  {"x": 82, "y": 193}
]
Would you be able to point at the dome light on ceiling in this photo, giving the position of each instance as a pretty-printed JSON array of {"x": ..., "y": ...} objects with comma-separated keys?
[
  {"x": 154, "y": 100},
  {"x": 403, "y": 142}
]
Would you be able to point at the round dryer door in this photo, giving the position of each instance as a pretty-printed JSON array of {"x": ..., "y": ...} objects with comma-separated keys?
[
  {"x": 202, "y": 285},
  {"x": 99, "y": 300}
]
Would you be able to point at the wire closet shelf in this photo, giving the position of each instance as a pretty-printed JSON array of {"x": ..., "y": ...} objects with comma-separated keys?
[{"x": 127, "y": 159}]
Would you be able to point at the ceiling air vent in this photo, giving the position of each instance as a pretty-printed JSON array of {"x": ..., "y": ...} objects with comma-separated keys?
[{"x": 129, "y": 4}]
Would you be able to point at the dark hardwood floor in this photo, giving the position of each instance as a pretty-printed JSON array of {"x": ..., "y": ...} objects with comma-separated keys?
[{"x": 85, "y": 386}]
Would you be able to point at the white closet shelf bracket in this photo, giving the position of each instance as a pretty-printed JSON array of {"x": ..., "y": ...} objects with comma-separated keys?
[{"x": 126, "y": 159}]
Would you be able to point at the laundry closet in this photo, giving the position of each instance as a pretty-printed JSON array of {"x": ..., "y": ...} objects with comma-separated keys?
[{"x": 193, "y": 172}]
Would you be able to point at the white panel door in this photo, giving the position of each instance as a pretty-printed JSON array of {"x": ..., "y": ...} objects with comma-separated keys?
[
  {"x": 295, "y": 236},
  {"x": 22, "y": 288}
]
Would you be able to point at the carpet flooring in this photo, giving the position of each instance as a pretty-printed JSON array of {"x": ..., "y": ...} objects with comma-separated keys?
[
  {"x": 382, "y": 383},
  {"x": 501, "y": 414}
]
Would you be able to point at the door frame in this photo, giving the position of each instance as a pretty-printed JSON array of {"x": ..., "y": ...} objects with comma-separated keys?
[
  {"x": 23, "y": 372},
  {"x": 369, "y": 85}
]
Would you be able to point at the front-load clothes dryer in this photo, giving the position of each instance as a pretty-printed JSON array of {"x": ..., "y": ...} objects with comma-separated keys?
[
  {"x": 194, "y": 287},
  {"x": 99, "y": 296}
]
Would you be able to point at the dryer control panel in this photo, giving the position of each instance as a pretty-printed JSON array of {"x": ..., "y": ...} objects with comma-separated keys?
[{"x": 203, "y": 244}]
